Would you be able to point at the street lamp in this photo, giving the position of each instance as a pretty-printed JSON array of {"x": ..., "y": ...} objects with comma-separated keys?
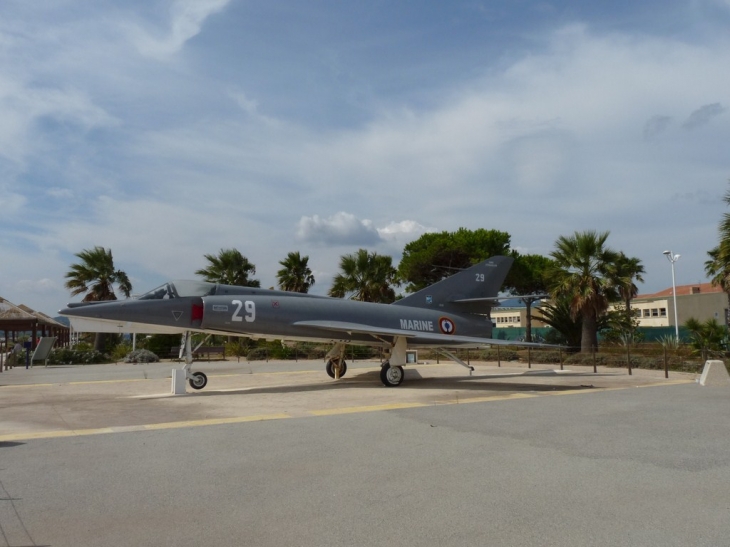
[{"x": 673, "y": 258}]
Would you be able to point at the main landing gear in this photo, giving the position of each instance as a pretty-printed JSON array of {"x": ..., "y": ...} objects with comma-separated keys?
[
  {"x": 391, "y": 376},
  {"x": 336, "y": 368}
]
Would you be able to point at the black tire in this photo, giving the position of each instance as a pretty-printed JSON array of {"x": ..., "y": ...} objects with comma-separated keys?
[
  {"x": 331, "y": 370},
  {"x": 199, "y": 381},
  {"x": 391, "y": 376}
]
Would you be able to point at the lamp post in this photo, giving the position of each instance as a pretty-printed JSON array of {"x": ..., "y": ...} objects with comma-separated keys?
[{"x": 673, "y": 258}]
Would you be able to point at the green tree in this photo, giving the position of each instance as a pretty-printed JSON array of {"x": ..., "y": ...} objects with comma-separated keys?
[
  {"x": 582, "y": 274},
  {"x": 295, "y": 276},
  {"x": 709, "y": 336},
  {"x": 527, "y": 279},
  {"x": 718, "y": 266},
  {"x": 718, "y": 270},
  {"x": 365, "y": 276},
  {"x": 230, "y": 267},
  {"x": 435, "y": 256},
  {"x": 624, "y": 271},
  {"x": 95, "y": 275},
  {"x": 621, "y": 327},
  {"x": 567, "y": 328}
]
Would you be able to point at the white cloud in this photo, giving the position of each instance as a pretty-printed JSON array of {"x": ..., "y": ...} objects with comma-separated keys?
[
  {"x": 186, "y": 21},
  {"x": 37, "y": 286},
  {"x": 60, "y": 193},
  {"x": 24, "y": 106},
  {"x": 339, "y": 229},
  {"x": 562, "y": 139},
  {"x": 405, "y": 229},
  {"x": 11, "y": 203}
]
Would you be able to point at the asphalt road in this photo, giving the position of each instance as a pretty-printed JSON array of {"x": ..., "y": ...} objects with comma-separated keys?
[{"x": 608, "y": 465}]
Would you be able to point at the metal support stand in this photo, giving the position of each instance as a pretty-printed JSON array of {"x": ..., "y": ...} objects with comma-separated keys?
[{"x": 456, "y": 360}]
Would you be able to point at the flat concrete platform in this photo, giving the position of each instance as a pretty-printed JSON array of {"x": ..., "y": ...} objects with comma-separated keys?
[
  {"x": 94, "y": 399},
  {"x": 273, "y": 454}
]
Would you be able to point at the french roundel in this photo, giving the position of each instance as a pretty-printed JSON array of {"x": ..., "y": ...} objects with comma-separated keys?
[{"x": 447, "y": 325}]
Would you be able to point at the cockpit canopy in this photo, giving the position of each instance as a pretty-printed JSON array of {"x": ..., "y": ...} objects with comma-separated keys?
[
  {"x": 186, "y": 288},
  {"x": 180, "y": 289}
]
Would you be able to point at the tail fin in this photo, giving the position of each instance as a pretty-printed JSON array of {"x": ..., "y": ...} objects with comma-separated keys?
[{"x": 469, "y": 291}]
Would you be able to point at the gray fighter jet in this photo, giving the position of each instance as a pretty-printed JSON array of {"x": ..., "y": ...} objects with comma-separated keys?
[{"x": 453, "y": 313}]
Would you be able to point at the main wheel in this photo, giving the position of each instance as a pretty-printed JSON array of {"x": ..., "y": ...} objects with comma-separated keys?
[
  {"x": 391, "y": 376},
  {"x": 330, "y": 368},
  {"x": 198, "y": 381}
]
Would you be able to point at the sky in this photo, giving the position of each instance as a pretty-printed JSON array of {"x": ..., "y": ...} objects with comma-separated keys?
[{"x": 165, "y": 130}]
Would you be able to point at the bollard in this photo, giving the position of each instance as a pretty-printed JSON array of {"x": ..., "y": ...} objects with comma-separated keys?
[
  {"x": 178, "y": 381},
  {"x": 593, "y": 349},
  {"x": 560, "y": 352}
]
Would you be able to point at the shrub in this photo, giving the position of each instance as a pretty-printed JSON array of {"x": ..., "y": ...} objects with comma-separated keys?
[
  {"x": 257, "y": 354},
  {"x": 66, "y": 356},
  {"x": 141, "y": 356},
  {"x": 121, "y": 351}
]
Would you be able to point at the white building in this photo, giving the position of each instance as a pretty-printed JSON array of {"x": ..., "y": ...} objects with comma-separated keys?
[{"x": 700, "y": 300}]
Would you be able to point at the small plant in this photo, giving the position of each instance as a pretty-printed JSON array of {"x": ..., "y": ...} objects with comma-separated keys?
[
  {"x": 257, "y": 354},
  {"x": 669, "y": 342},
  {"x": 120, "y": 352},
  {"x": 141, "y": 356}
]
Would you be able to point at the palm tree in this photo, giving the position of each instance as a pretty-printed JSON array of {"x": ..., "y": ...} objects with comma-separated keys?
[
  {"x": 295, "y": 276},
  {"x": 582, "y": 274},
  {"x": 568, "y": 328},
  {"x": 718, "y": 267},
  {"x": 624, "y": 271},
  {"x": 95, "y": 275},
  {"x": 366, "y": 277},
  {"x": 230, "y": 267},
  {"x": 708, "y": 336}
]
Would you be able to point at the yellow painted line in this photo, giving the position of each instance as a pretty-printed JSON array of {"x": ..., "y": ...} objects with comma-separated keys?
[
  {"x": 108, "y": 381},
  {"x": 490, "y": 398},
  {"x": 373, "y": 408},
  {"x": 596, "y": 389},
  {"x": 9, "y": 386},
  {"x": 144, "y": 427},
  {"x": 217, "y": 421}
]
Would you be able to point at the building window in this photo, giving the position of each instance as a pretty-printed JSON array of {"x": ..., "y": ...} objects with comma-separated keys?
[
  {"x": 647, "y": 313},
  {"x": 654, "y": 312},
  {"x": 663, "y": 312}
]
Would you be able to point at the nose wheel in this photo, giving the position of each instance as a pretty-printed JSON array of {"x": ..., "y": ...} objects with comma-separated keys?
[{"x": 198, "y": 380}]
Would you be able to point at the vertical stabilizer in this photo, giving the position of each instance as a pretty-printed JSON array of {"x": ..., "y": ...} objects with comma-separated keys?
[{"x": 468, "y": 291}]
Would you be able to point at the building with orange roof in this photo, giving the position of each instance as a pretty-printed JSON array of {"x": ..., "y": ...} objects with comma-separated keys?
[{"x": 702, "y": 301}]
